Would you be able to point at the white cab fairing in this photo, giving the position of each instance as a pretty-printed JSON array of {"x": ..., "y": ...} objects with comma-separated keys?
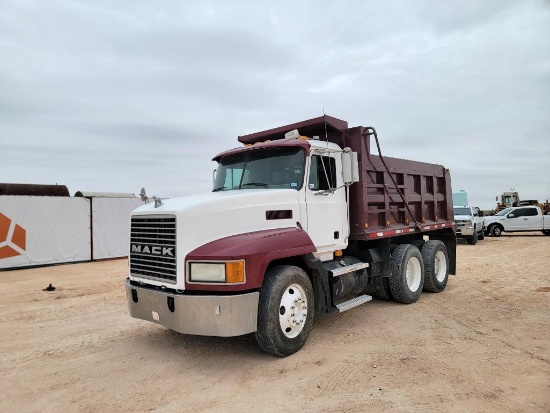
[{"x": 204, "y": 218}]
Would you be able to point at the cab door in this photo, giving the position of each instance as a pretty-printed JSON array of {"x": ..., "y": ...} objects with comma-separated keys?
[
  {"x": 517, "y": 221},
  {"x": 326, "y": 203}
]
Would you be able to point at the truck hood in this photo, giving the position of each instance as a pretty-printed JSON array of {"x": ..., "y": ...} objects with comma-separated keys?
[
  {"x": 494, "y": 218},
  {"x": 208, "y": 217}
]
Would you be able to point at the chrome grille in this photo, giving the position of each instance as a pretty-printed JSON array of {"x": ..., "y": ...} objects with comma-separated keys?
[{"x": 153, "y": 247}]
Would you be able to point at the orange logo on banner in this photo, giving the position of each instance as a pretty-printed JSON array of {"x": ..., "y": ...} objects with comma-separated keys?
[{"x": 18, "y": 238}]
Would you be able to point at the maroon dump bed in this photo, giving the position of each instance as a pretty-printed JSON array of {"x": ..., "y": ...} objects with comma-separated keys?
[{"x": 376, "y": 206}]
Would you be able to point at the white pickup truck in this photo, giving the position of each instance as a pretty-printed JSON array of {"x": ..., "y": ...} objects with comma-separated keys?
[
  {"x": 469, "y": 223},
  {"x": 517, "y": 219}
]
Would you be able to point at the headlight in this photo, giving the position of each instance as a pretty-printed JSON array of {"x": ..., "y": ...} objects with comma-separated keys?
[{"x": 217, "y": 272}]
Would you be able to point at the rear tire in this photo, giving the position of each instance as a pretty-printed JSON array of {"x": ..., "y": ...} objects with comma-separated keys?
[
  {"x": 285, "y": 311},
  {"x": 382, "y": 288},
  {"x": 546, "y": 232},
  {"x": 407, "y": 274},
  {"x": 473, "y": 240},
  {"x": 436, "y": 266},
  {"x": 481, "y": 235}
]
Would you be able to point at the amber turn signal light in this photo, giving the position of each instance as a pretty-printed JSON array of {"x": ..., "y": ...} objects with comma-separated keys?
[{"x": 234, "y": 272}]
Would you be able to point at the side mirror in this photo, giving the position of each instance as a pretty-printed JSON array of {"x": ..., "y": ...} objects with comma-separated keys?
[
  {"x": 480, "y": 213},
  {"x": 350, "y": 166}
]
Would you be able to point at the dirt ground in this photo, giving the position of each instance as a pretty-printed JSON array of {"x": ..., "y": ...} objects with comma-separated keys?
[{"x": 482, "y": 345}]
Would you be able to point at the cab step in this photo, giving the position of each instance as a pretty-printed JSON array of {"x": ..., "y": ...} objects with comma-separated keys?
[
  {"x": 354, "y": 302},
  {"x": 348, "y": 268}
]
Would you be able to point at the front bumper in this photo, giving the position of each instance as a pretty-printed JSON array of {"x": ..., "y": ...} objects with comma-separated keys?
[
  {"x": 205, "y": 315},
  {"x": 464, "y": 231}
]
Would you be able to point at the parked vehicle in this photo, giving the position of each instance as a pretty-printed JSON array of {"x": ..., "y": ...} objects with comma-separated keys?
[
  {"x": 469, "y": 223},
  {"x": 507, "y": 200},
  {"x": 294, "y": 224},
  {"x": 518, "y": 219}
]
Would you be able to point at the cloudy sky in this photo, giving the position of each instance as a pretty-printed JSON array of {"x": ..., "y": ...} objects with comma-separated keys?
[{"x": 116, "y": 95}]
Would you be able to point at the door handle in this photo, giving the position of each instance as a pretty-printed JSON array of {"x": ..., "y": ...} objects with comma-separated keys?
[{"x": 525, "y": 219}]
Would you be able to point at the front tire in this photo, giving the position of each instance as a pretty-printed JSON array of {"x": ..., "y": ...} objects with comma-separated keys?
[
  {"x": 436, "y": 266},
  {"x": 285, "y": 311},
  {"x": 496, "y": 231},
  {"x": 473, "y": 240},
  {"x": 481, "y": 235},
  {"x": 407, "y": 274}
]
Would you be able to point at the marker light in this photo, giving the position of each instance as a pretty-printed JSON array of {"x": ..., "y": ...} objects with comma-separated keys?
[{"x": 234, "y": 272}]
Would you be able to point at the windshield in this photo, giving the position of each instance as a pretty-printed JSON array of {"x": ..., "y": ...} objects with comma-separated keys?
[
  {"x": 262, "y": 168},
  {"x": 503, "y": 212},
  {"x": 462, "y": 211}
]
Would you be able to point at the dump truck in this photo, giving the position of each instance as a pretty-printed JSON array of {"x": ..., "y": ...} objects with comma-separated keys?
[{"x": 302, "y": 219}]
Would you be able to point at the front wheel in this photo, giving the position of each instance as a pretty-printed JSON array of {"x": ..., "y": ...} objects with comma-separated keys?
[
  {"x": 496, "y": 231},
  {"x": 407, "y": 274},
  {"x": 473, "y": 240},
  {"x": 285, "y": 310}
]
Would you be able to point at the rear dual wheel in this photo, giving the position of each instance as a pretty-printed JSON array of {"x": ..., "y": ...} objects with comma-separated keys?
[
  {"x": 407, "y": 274},
  {"x": 413, "y": 271},
  {"x": 436, "y": 266}
]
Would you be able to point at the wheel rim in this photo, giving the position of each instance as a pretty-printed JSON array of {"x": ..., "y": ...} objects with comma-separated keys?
[
  {"x": 414, "y": 274},
  {"x": 496, "y": 231},
  {"x": 440, "y": 266},
  {"x": 293, "y": 311}
]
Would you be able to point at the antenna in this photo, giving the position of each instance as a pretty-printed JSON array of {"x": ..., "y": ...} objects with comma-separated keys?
[{"x": 325, "y": 122}]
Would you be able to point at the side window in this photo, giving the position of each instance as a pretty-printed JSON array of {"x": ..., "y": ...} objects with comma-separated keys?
[
  {"x": 518, "y": 212},
  {"x": 322, "y": 173},
  {"x": 531, "y": 212}
]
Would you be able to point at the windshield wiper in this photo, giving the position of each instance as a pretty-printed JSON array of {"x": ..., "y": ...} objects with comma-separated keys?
[
  {"x": 221, "y": 188},
  {"x": 255, "y": 184}
]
